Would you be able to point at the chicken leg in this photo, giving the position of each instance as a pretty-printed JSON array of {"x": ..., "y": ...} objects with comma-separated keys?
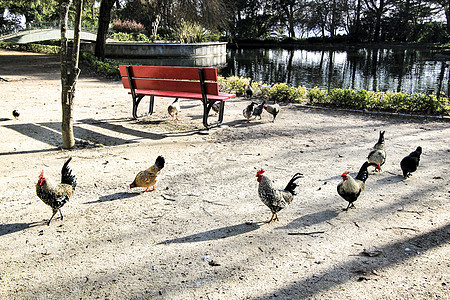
[{"x": 273, "y": 218}]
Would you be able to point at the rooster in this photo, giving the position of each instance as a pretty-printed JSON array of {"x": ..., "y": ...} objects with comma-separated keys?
[
  {"x": 350, "y": 188},
  {"x": 174, "y": 108},
  {"x": 273, "y": 109},
  {"x": 275, "y": 199},
  {"x": 378, "y": 154},
  {"x": 410, "y": 163},
  {"x": 248, "y": 111},
  {"x": 259, "y": 110},
  {"x": 149, "y": 177},
  {"x": 56, "y": 196}
]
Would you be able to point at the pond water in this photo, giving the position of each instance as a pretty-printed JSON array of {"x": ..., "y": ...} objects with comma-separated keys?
[{"x": 408, "y": 70}]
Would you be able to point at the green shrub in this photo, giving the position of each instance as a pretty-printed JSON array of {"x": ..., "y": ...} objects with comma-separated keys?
[
  {"x": 318, "y": 96},
  {"x": 108, "y": 68},
  {"x": 234, "y": 84},
  {"x": 123, "y": 36},
  {"x": 48, "y": 49},
  {"x": 189, "y": 32},
  {"x": 284, "y": 93}
]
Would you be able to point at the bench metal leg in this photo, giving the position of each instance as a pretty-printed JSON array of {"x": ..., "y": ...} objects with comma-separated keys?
[
  {"x": 136, "y": 101},
  {"x": 151, "y": 105},
  {"x": 207, "y": 109}
]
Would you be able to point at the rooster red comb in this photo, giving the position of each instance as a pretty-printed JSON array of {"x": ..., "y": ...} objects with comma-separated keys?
[
  {"x": 345, "y": 174},
  {"x": 260, "y": 172},
  {"x": 42, "y": 174}
]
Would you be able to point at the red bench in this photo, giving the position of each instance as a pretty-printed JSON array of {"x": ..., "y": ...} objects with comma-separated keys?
[{"x": 174, "y": 82}]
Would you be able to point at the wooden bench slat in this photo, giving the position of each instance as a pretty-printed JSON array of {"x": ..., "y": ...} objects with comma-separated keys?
[
  {"x": 171, "y": 85},
  {"x": 183, "y": 95},
  {"x": 180, "y": 73}
]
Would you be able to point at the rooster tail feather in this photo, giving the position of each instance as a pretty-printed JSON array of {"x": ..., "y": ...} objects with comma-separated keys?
[
  {"x": 363, "y": 174},
  {"x": 381, "y": 138},
  {"x": 290, "y": 187},
  {"x": 160, "y": 162},
  {"x": 67, "y": 175}
]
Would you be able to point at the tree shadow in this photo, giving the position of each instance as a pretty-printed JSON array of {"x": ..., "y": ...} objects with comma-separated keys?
[
  {"x": 124, "y": 130},
  {"x": 115, "y": 196},
  {"x": 15, "y": 227},
  {"x": 393, "y": 254},
  {"x": 215, "y": 234}
]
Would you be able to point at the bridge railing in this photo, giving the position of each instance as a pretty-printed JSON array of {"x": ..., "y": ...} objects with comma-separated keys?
[{"x": 48, "y": 25}]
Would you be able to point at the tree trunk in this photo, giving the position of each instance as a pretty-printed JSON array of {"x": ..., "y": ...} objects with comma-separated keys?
[
  {"x": 104, "y": 19},
  {"x": 69, "y": 71},
  {"x": 379, "y": 14},
  {"x": 447, "y": 16}
]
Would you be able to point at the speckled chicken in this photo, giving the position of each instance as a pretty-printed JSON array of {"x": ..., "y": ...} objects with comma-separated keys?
[
  {"x": 273, "y": 109},
  {"x": 149, "y": 177},
  {"x": 378, "y": 154},
  {"x": 174, "y": 108},
  {"x": 56, "y": 196},
  {"x": 274, "y": 198},
  {"x": 350, "y": 188},
  {"x": 248, "y": 111},
  {"x": 410, "y": 163}
]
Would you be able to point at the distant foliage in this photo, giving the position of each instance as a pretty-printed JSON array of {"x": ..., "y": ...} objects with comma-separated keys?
[
  {"x": 189, "y": 32},
  {"x": 399, "y": 102},
  {"x": 343, "y": 98},
  {"x": 128, "y": 26},
  {"x": 123, "y": 36},
  {"x": 283, "y": 92},
  {"x": 108, "y": 68},
  {"x": 48, "y": 49}
]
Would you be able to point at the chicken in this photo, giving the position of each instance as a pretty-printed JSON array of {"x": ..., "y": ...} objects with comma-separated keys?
[
  {"x": 276, "y": 199},
  {"x": 257, "y": 111},
  {"x": 56, "y": 196},
  {"x": 16, "y": 114},
  {"x": 216, "y": 107},
  {"x": 248, "y": 111},
  {"x": 174, "y": 108},
  {"x": 350, "y": 188},
  {"x": 249, "y": 90},
  {"x": 273, "y": 109},
  {"x": 378, "y": 154},
  {"x": 149, "y": 177},
  {"x": 410, "y": 163}
]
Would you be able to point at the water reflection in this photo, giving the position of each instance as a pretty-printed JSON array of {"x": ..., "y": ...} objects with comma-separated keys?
[{"x": 412, "y": 71}]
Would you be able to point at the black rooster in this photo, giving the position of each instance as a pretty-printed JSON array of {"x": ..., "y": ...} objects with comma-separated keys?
[{"x": 410, "y": 163}]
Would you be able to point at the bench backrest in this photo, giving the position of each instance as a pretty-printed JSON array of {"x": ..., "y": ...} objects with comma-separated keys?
[{"x": 179, "y": 79}]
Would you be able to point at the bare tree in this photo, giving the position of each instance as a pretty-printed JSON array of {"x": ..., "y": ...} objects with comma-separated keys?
[{"x": 69, "y": 70}]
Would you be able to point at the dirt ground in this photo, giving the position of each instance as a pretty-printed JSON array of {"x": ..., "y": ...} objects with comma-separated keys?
[{"x": 201, "y": 234}]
